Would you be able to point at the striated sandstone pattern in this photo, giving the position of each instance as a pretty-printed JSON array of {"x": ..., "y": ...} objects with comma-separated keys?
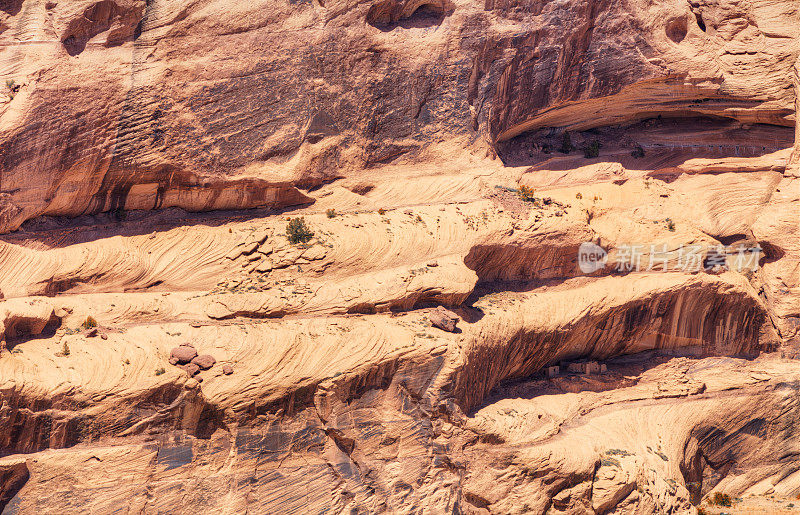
[{"x": 428, "y": 339}]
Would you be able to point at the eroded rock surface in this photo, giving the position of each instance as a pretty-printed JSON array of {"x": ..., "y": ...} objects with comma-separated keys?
[{"x": 433, "y": 341}]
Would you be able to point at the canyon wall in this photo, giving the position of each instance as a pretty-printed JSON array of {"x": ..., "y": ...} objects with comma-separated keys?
[
  {"x": 121, "y": 104},
  {"x": 331, "y": 256}
]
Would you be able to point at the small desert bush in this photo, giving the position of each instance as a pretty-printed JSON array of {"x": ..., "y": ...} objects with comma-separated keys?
[
  {"x": 592, "y": 149},
  {"x": 720, "y": 499},
  {"x": 89, "y": 323},
  {"x": 65, "y": 349},
  {"x": 566, "y": 143},
  {"x": 297, "y": 231},
  {"x": 160, "y": 371},
  {"x": 331, "y": 213},
  {"x": 526, "y": 193},
  {"x": 381, "y": 211}
]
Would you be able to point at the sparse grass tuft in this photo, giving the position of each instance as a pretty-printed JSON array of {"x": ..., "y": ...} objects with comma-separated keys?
[
  {"x": 331, "y": 213},
  {"x": 89, "y": 323},
  {"x": 618, "y": 452},
  {"x": 160, "y": 371},
  {"x": 610, "y": 462},
  {"x": 381, "y": 211},
  {"x": 578, "y": 196},
  {"x": 65, "y": 349},
  {"x": 12, "y": 88},
  {"x": 670, "y": 224},
  {"x": 297, "y": 231}
]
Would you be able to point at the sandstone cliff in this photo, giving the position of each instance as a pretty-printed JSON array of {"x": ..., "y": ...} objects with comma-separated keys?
[{"x": 153, "y": 154}]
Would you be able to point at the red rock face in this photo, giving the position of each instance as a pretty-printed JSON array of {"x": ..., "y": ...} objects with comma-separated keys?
[
  {"x": 137, "y": 107},
  {"x": 370, "y": 220}
]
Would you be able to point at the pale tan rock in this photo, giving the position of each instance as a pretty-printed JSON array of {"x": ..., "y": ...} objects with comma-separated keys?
[
  {"x": 24, "y": 317},
  {"x": 264, "y": 265},
  {"x": 402, "y": 117}
]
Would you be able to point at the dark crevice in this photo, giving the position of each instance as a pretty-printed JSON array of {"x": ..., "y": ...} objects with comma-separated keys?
[
  {"x": 384, "y": 16},
  {"x": 700, "y": 23},
  {"x": 12, "y": 479},
  {"x": 666, "y": 140}
]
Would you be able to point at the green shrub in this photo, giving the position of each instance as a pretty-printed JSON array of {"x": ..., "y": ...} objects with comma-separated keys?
[
  {"x": 160, "y": 371},
  {"x": 526, "y": 194},
  {"x": 670, "y": 224},
  {"x": 331, "y": 213},
  {"x": 381, "y": 211},
  {"x": 720, "y": 499},
  {"x": 578, "y": 196},
  {"x": 89, "y": 323},
  {"x": 297, "y": 231},
  {"x": 566, "y": 143},
  {"x": 10, "y": 84},
  {"x": 65, "y": 349},
  {"x": 592, "y": 149}
]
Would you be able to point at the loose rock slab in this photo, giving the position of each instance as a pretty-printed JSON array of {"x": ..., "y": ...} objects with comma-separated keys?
[{"x": 444, "y": 319}]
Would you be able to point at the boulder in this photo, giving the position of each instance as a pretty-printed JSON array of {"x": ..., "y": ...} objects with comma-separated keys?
[
  {"x": 444, "y": 319},
  {"x": 191, "y": 369},
  {"x": 183, "y": 353},
  {"x": 204, "y": 361},
  {"x": 227, "y": 370}
]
